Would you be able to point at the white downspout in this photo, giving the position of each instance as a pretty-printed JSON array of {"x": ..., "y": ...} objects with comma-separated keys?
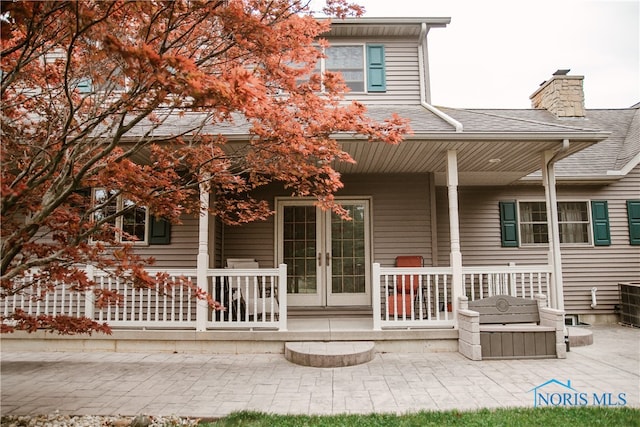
[
  {"x": 425, "y": 82},
  {"x": 555, "y": 257}
]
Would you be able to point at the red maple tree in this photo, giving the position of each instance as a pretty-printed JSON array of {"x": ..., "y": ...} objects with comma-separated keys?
[{"x": 130, "y": 97}]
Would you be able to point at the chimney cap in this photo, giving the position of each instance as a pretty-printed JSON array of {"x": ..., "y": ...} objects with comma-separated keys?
[{"x": 561, "y": 72}]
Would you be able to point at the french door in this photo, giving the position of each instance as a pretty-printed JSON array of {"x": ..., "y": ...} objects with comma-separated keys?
[{"x": 327, "y": 257}]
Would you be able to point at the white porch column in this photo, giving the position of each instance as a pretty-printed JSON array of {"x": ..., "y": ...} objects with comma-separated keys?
[
  {"x": 90, "y": 297},
  {"x": 202, "y": 310},
  {"x": 457, "y": 289},
  {"x": 555, "y": 259}
]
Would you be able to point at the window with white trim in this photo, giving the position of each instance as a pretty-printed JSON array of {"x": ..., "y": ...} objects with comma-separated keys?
[
  {"x": 362, "y": 66},
  {"x": 134, "y": 222},
  {"x": 348, "y": 60},
  {"x": 573, "y": 222}
]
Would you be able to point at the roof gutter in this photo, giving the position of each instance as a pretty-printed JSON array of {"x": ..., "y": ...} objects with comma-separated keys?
[
  {"x": 437, "y": 21},
  {"x": 593, "y": 137},
  {"x": 443, "y": 136},
  {"x": 627, "y": 168}
]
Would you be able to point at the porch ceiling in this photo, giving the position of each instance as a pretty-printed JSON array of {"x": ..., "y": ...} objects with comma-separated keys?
[{"x": 482, "y": 159}]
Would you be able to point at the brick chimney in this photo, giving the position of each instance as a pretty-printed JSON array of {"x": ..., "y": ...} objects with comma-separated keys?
[{"x": 561, "y": 95}]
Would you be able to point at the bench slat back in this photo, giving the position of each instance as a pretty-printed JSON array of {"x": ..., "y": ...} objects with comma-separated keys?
[{"x": 504, "y": 309}]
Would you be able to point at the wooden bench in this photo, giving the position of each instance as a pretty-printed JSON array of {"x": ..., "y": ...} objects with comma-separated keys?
[{"x": 506, "y": 327}]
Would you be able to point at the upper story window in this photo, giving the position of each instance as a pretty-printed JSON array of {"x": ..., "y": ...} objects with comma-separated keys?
[
  {"x": 362, "y": 66},
  {"x": 579, "y": 222},
  {"x": 348, "y": 60}
]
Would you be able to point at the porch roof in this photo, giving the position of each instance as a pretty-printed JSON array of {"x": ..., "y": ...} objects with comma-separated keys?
[{"x": 495, "y": 147}]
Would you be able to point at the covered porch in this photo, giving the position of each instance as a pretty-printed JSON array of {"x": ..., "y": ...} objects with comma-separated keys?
[{"x": 257, "y": 300}]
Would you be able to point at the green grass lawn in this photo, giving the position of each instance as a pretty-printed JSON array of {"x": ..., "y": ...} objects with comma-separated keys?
[{"x": 559, "y": 416}]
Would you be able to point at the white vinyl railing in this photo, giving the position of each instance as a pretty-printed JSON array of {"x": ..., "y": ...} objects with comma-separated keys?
[
  {"x": 172, "y": 304},
  {"x": 524, "y": 281},
  {"x": 36, "y": 299},
  {"x": 250, "y": 297},
  {"x": 422, "y": 297},
  {"x": 405, "y": 297}
]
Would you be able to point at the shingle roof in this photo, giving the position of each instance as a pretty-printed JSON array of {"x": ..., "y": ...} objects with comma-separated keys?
[
  {"x": 424, "y": 121},
  {"x": 621, "y": 147},
  {"x": 612, "y": 154},
  {"x": 481, "y": 120}
]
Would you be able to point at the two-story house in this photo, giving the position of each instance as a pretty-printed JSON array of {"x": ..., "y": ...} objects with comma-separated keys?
[{"x": 476, "y": 202}]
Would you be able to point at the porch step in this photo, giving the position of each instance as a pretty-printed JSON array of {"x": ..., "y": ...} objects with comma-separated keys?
[
  {"x": 329, "y": 354},
  {"x": 302, "y": 312},
  {"x": 579, "y": 337}
]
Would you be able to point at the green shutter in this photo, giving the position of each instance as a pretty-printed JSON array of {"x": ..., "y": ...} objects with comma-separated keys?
[
  {"x": 376, "y": 80},
  {"x": 633, "y": 213},
  {"x": 160, "y": 232},
  {"x": 600, "y": 217},
  {"x": 509, "y": 224}
]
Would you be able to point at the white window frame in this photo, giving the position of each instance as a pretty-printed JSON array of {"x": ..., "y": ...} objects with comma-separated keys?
[
  {"x": 323, "y": 67},
  {"x": 119, "y": 221},
  {"x": 589, "y": 222}
]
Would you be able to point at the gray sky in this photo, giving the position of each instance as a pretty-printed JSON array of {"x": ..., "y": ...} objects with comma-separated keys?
[{"x": 495, "y": 53}]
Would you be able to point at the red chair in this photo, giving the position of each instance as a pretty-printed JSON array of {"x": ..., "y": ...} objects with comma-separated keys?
[
  {"x": 398, "y": 304},
  {"x": 406, "y": 280}
]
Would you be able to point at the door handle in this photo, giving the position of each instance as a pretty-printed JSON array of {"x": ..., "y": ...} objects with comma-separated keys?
[{"x": 327, "y": 257}]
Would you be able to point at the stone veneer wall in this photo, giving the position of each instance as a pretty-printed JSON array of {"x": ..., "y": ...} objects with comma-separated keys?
[{"x": 561, "y": 95}]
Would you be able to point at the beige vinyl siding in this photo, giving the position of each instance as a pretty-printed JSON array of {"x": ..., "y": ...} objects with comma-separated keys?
[
  {"x": 402, "y": 72},
  {"x": 254, "y": 240},
  {"x": 183, "y": 250},
  {"x": 584, "y": 266},
  {"x": 603, "y": 267},
  {"x": 400, "y": 220},
  {"x": 400, "y": 214}
]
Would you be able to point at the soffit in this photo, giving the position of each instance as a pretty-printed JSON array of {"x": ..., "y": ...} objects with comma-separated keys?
[
  {"x": 480, "y": 162},
  {"x": 383, "y": 27}
]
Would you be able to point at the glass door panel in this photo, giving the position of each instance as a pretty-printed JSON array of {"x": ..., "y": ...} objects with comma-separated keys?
[
  {"x": 327, "y": 257},
  {"x": 299, "y": 248},
  {"x": 349, "y": 257}
]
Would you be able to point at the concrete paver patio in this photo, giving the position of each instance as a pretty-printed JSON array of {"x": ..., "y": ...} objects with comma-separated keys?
[{"x": 203, "y": 385}]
